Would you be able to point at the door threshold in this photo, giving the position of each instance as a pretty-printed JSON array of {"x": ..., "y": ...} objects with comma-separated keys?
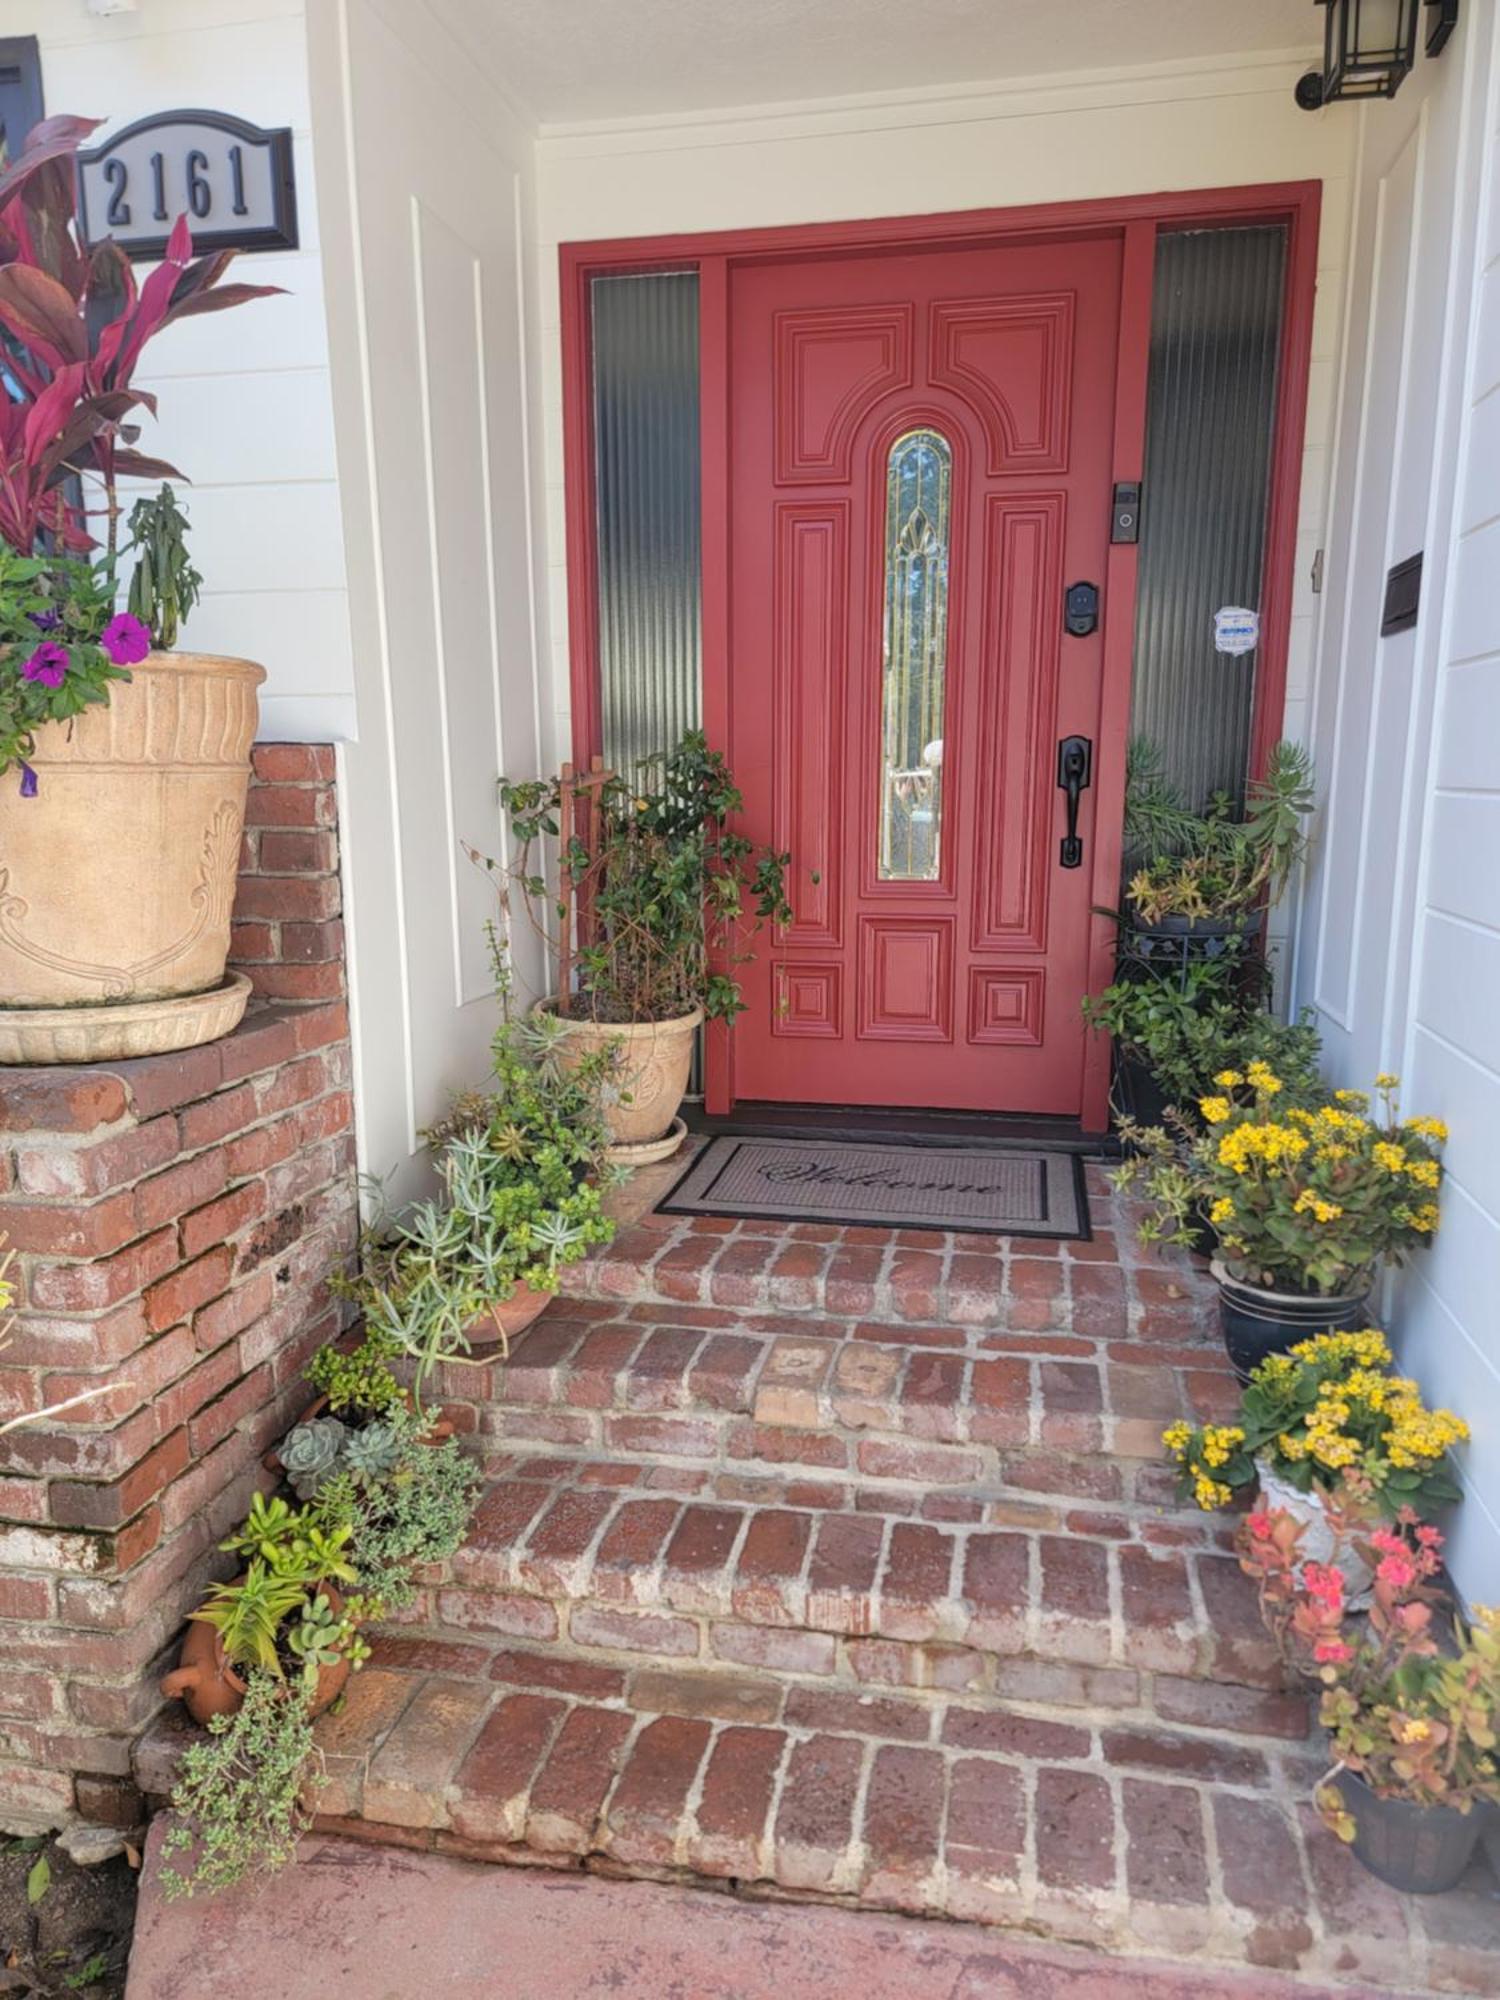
[{"x": 897, "y": 1124}]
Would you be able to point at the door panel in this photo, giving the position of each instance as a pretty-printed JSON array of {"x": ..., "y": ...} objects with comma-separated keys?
[{"x": 920, "y": 457}]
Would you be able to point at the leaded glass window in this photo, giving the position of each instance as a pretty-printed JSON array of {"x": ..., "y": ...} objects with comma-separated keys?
[{"x": 918, "y": 503}]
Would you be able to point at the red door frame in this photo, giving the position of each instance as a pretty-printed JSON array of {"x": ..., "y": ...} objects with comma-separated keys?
[{"x": 1138, "y": 219}]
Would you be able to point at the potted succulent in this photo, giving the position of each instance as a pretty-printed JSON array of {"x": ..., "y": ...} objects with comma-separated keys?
[
  {"x": 284, "y": 1611},
  {"x": 659, "y": 894},
  {"x": 1307, "y": 1202},
  {"x": 1411, "y": 1712},
  {"x": 1205, "y": 879},
  {"x": 523, "y": 1175},
  {"x": 1334, "y": 1440},
  {"x": 125, "y": 764},
  {"x": 271, "y": 1649}
]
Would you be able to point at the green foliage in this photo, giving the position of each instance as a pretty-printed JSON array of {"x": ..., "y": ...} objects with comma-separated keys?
[
  {"x": 1185, "y": 1031},
  {"x": 669, "y": 893},
  {"x": 311, "y": 1453},
  {"x": 62, "y": 602},
  {"x": 249, "y": 1612},
  {"x": 522, "y": 1197},
  {"x": 1306, "y": 1198},
  {"x": 164, "y": 586},
  {"x": 240, "y": 1796},
  {"x": 1330, "y": 1415},
  {"x": 1221, "y": 862},
  {"x": 419, "y": 1514},
  {"x": 360, "y": 1384},
  {"x": 371, "y": 1455}
]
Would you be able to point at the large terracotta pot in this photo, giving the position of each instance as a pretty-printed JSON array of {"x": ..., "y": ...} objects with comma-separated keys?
[
  {"x": 117, "y": 878},
  {"x": 500, "y": 1325},
  {"x": 206, "y": 1684},
  {"x": 656, "y": 1061}
]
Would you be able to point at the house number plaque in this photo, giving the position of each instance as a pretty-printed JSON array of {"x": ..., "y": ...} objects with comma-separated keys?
[{"x": 232, "y": 180}]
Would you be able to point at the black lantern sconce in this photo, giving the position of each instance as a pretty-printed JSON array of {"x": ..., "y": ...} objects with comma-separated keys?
[{"x": 1370, "y": 45}]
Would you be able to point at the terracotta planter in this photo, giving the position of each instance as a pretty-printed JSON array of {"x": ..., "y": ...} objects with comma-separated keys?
[
  {"x": 117, "y": 879},
  {"x": 502, "y": 1323},
  {"x": 1257, "y": 1322},
  {"x": 656, "y": 1061},
  {"x": 206, "y": 1684}
]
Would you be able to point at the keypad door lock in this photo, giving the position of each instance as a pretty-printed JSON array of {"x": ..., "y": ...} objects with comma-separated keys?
[{"x": 1081, "y": 609}]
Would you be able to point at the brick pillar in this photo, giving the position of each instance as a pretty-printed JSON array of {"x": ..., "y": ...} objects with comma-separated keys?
[{"x": 176, "y": 1222}]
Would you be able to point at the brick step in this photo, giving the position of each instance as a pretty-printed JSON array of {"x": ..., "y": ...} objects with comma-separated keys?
[
  {"x": 870, "y": 1585},
  {"x": 1105, "y": 1287},
  {"x": 1129, "y": 1836},
  {"x": 943, "y": 1405}
]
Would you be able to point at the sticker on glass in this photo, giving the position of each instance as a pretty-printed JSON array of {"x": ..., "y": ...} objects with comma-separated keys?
[{"x": 1236, "y": 630}]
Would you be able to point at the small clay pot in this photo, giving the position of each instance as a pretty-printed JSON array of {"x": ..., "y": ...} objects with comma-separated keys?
[{"x": 206, "y": 1684}]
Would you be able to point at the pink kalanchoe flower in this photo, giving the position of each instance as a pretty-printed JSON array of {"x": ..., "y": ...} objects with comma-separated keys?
[
  {"x": 1332, "y": 1652},
  {"x": 48, "y": 664},
  {"x": 1324, "y": 1583},
  {"x": 1259, "y": 1524},
  {"x": 1397, "y": 1569},
  {"x": 125, "y": 639}
]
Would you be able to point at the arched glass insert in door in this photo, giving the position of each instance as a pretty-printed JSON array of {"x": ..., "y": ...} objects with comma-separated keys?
[{"x": 918, "y": 504}]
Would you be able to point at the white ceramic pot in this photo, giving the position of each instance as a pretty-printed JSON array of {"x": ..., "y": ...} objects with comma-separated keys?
[{"x": 1321, "y": 1542}]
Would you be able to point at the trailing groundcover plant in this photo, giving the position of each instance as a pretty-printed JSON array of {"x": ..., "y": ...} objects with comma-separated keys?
[{"x": 73, "y": 327}]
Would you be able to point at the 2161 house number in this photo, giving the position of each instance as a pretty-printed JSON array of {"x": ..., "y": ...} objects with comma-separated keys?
[{"x": 232, "y": 180}]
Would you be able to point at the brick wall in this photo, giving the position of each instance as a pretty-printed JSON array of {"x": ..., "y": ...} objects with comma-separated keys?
[
  {"x": 176, "y": 1221},
  {"x": 288, "y": 933}
]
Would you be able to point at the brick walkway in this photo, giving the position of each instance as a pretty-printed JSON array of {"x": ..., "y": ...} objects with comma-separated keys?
[{"x": 843, "y": 1563}]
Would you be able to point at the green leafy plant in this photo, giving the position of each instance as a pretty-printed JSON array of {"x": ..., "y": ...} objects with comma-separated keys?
[
  {"x": 1412, "y": 1710},
  {"x": 1308, "y": 1199},
  {"x": 418, "y": 1514},
  {"x": 164, "y": 586},
  {"x": 359, "y": 1383},
  {"x": 1185, "y": 1031},
  {"x": 666, "y": 894},
  {"x": 248, "y": 1613},
  {"x": 311, "y": 1453},
  {"x": 522, "y": 1185},
  {"x": 241, "y": 1800},
  {"x": 1222, "y": 862},
  {"x": 1330, "y": 1415}
]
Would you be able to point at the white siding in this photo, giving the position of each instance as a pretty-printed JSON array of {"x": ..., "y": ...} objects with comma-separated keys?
[
  {"x": 246, "y": 405},
  {"x": 1399, "y": 948},
  {"x": 425, "y": 175}
]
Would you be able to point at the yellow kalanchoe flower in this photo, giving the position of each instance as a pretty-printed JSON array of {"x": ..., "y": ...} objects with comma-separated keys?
[
  {"x": 1392, "y": 1158},
  {"x": 1228, "y": 1078},
  {"x": 1214, "y": 1109},
  {"x": 1385, "y": 1081},
  {"x": 1263, "y": 1078},
  {"x": 1426, "y": 1173},
  {"x": 1427, "y": 1128},
  {"x": 1222, "y": 1209}
]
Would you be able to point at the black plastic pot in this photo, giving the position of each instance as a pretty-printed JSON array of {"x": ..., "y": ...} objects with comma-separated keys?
[
  {"x": 1257, "y": 1322},
  {"x": 1421, "y": 1849}
]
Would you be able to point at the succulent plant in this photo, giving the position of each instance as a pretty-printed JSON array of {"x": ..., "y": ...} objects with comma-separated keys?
[
  {"x": 311, "y": 1453},
  {"x": 371, "y": 1455}
]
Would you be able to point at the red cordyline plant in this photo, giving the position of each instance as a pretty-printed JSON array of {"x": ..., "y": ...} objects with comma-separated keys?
[
  {"x": 1411, "y": 1707},
  {"x": 76, "y": 324}
]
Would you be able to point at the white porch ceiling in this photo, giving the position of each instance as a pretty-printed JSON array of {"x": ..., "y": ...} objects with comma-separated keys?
[{"x": 569, "y": 60}]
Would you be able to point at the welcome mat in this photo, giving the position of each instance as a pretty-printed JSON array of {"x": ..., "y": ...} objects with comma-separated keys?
[{"x": 973, "y": 1188}]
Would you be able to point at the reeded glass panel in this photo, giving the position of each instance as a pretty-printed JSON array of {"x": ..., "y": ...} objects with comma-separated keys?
[
  {"x": 1211, "y": 409},
  {"x": 645, "y": 342},
  {"x": 918, "y": 491}
]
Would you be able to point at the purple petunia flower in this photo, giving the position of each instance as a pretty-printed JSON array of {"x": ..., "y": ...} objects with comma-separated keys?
[
  {"x": 125, "y": 639},
  {"x": 28, "y": 781},
  {"x": 44, "y": 621},
  {"x": 48, "y": 664}
]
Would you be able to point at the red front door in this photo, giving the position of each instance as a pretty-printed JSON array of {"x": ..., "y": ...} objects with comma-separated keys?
[{"x": 920, "y": 456}]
